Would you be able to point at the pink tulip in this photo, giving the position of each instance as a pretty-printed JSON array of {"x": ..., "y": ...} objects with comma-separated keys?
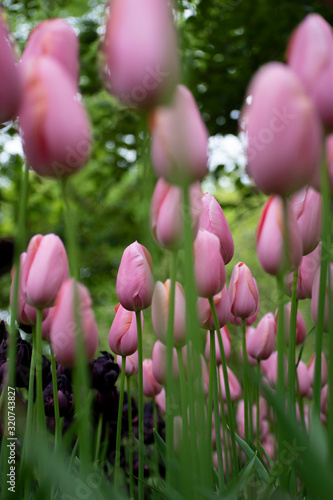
[
  {"x": 234, "y": 385},
  {"x": 54, "y": 124},
  {"x": 179, "y": 145},
  {"x": 260, "y": 342},
  {"x": 209, "y": 267},
  {"x": 160, "y": 363},
  {"x": 250, "y": 360},
  {"x": 10, "y": 88},
  {"x": 263, "y": 423},
  {"x": 45, "y": 269},
  {"x": 324, "y": 370},
  {"x": 131, "y": 364},
  {"x": 123, "y": 336},
  {"x": 283, "y": 131},
  {"x": 56, "y": 39},
  {"x": 243, "y": 291},
  {"x": 213, "y": 220},
  {"x": 310, "y": 55},
  {"x": 140, "y": 51},
  {"x": 324, "y": 398},
  {"x": 26, "y": 314},
  {"x": 222, "y": 306},
  {"x": 167, "y": 213},
  {"x": 64, "y": 330},
  {"x": 306, "y": 205},
  {"x": 300, "y": 324},
  {"x": 160, "y": 400},
  {"x": 271, "y": 237},
  {"x": 306, "y": 273},
  {"x": 160, "y": 312},
  {"x": 135, "y": 282},
  {"x": 269, "y": 445},
  {"x": 225, "y": 341},
  {"x": 269, "y": 368},
  {"x": 234, "y": 320},
  {"x": 150, "y": 385},
  {"x": 304, "y": 381},
  {"x": 46, "y": 323},
  {"x": 315, "y": 298}
]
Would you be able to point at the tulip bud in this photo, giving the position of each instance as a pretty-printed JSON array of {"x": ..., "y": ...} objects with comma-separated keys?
[
  {"x": 179, "y": 145},
  {"x": 141, "y": 65},
  {"x": 150, "y": 385},
  {"x": 324, "y": 371},
  {"x": 263, "y": 423},
  {"x": 283, "y": 131},
  {"x": 234, "y": 320},
  {"x": 167, "y": 213},
  {"x": 54, "y": 125},
  {"x": 260, "y": 342},
  {"x": 209, "y": 268},
  {"x": 306, "y": 205},
  {"x": 10, "y": 88},
  {"x": 269, "y": 368},
  {"x": 234, "y": 385},
  {"x": 131, "y": 365},
  {"x": 306, "y": 273},
  {"x": 310, "y": 55},
  {"x": 135, "y": 282},
  {"x": 45, "y": 269},
  {"x": 225, "y": 337},
  {"x": 300, "y": 324},
  {"x": 160, "y": 363},
  {"x": 303, "y": 378},
  {"x": 315, "y": 298},
  {"x": 222, "y": 306},
  {"x": 64, "y": 330},
  {"x": 271, "y": 238},
  {"x": 243, "y": 291},
  {"x": 213, "y": 220},
  {"x": 123, "y": 336}
]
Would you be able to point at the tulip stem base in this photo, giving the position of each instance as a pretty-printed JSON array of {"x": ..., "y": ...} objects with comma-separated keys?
[
  {"x": 245, "y": 382},
  {"x": 119, "y": 421},
  {"x": 130, "y": 437},
  {"x": 292, "y": 349},
  {"x": 57, "y": 439},
  {"x": 141, "y": 427}
]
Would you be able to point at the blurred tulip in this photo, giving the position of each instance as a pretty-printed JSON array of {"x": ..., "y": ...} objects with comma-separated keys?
[
  {"x": 315, "y": 298},
  {"x": 225, "y": 341},
  {"x": 179, "y": 145},
  {"x": 234, "y": 385},
  {"x": 141, "y": 65},
  {"x": 54, "y": 125},
  {"x": 222, "y": 306},
  {"x": 167, "y": 213},
  {"x": 234, "y": 320},
  {"x": 283, "y": 131},
  {"x": 306, "y": 273},
  {"x": 10, "y": 88},
  {"x": 324, "y": 398},
  {"x": 131, "y": 366},
  {"x": 250, "y": 360},
  {"x": 324, "y": 370},
  {"x": 213, "y": 220},
  {"x": 269, "y": 445},
  {"x": 135, "y": 282},
  {"x": 56, "y": 39},
  {"x": 271, "y": 237},
  {"x": 209, "y": 268},
  {"x": 306, "y": 205},
  {"x": 160, "y": 363},
  {"x": 300, "y": 324},
  {"x": 263, "y": 424},
  {"x": 46, "y": 323},
  {"x": 64, "y": 330},
  {"x": 123, "y": 336},
  {"x": 160, "y": 400},
  {"x": 243, "y": 291},
  {"x": 45, "y": 269},
  {"x": 150, "y": 385},
  {"x": 304, "y": 381},
  {"x": 260, "y": 341},
  {"x": 269, "y": 368},
  {"x": 310, "y": 55},
  {"x": 160, "y": 312}
]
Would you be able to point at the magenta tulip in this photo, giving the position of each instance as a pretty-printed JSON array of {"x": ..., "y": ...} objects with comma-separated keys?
[
  {"x": 213, "y": 220},
  {"x": 150, "y": 385},
  {"x": 306, "y": 273},
  {"x": 222, "y": 306},
  {"x": 283, "y": 131},
  {"x": 159, "y": 358},
  {"x": 315, "y": 298},
  {"x": 54, "y": 124},
  {"x": 123, "y": 336},
  {"x": 179, "y": 146},
  {"x": 271, "y": 237},
  {"x": 300, "y": 324},
  {"x": 209, "y": 268},
  {"x": 225, "y": 337},
  {"x": 243, "y": 291},
  {"x": 234, "y": 385},
  {"x": 135, "y": 282},
  {"x": 324, "y": 369},
  {"x": 131, "y": 364},
  {"x": 64, "y": 330},
  {"x": 44, "y": 271},
  {"x": 260, "y": 342},
  {"x": 167, "y": 213},
  {"x": 306, "y": 205}
]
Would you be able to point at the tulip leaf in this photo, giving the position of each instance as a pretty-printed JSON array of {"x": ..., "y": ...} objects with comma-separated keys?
[{"x": 161, "y": 445}]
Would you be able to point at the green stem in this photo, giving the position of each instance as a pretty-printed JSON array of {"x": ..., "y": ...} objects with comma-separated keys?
[
  {"x": 98, "y": 439},
  {"x": 29, "y": 424},
  {"x": 119, "y": 420},
  {"x": 258, "y": 406},
  {"x": 280, "y": 388},
  {"x": 216, "y": 413},
  {"x": 41, "y": 421},
  {"x": 70, "y": 228},
  {"x": 55, "y": 403},
  {"x": 226, "y": 439},
  {"x": 292, "y": 349},
  {"x": 155, "y": 468},
  {"x": 130, "y": 436},
  {"x": 212, "y": 365},
  {"x": 245, "y": 382},
  {"x": 141, "y": 428}
]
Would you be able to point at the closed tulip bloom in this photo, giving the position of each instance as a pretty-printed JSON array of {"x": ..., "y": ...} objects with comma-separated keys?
[
  {"x": 160, "y": 312},
  {"x": 304, "y": 381},
  {"x": 243, "y": 291},
  {"x": 234, "y": 385},
  {"x": 260, "y": 342},
  {"x": 123, "y": 336},
  {"x": 306, "y": 205},
  {"x": 306, "y": 273},
  {"x": 160, "y": 400},
  {"x": 167, "y": 213},
  {"x": 131, "y": 365},
  {"x": 271, "y": 237},
  {"x": 310, "y": 55},
  {"x": 222, "y": 306},
  {"x": 135, "y": 282},
  {"x": 209, "y": 268},
  {"x": 64, "y": 330},
  {"x": 213, "y": 220},
  {"x": 44, "y": 271},
  {"x": 141, "y": 65},
  {"x": 324, "y": 370},
  {"x": 324, "y": 399},
  {"x": 56, "y": 39},
  {"x": 54, "y": 124},
  {"x": 179, "y": 147},
  {"x": 251, "y": 361},
  {"x": 250, "y": 319},
  {"x": 263, "y": 423},
  {"x": 315, "y": 298},
  {"x": 225, "y": 341},
  {"x": 269, "y": 368},
  {"x": 159, "y": 358},
  {"x": 300, "y": 324},
  {"x": 283, "y": 131},
  {"x": 26, "y": 314},
  {"x": 46, "y": 323},
  {"x": 150, "y": 385}
]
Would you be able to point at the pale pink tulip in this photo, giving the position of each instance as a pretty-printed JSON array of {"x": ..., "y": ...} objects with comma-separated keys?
[
  {"x": 225, "y": 337},
  {"x": 250, "y": 319},
  {"x": 315, "y": 298},
  {"x": 222, "y": 306},
  {"x": 269, "y": 445},
  {"x": 283, "y": 131},
  {"x": 135, "y": 282},
  {"x": 26, "y": 314},
  {"x": 300, "y": 324},
  {"x": 209, "y": 268},
  {"x": 250, "y": 360},
  {"x": 260, "y": 341},
  {"x": 234, "y": 385},
  {"x": 150, "y": 385},
  {"x": 159, "y": 358},
  {"x": 160, "y": 400},
  {"x": 263, "y": 423},
  {"x": 243, "y": 292},
  {"x": 324, "y": 398},
  {"x": 324, "y": 370},
  {"x": 306, "y": 205},
  {"x": 46, "y": 323},
  {"x": 304, "y": 381},
  {"x": 123, "y": 336},
  {"x": 306, "y": 273},
  {"x": 131, "y": 364},
  {"x": 269, "y": 368}
]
